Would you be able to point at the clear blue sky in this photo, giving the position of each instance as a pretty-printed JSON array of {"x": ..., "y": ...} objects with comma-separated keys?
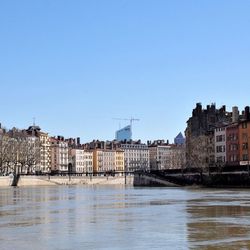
[{"x": 76, "y": 64}]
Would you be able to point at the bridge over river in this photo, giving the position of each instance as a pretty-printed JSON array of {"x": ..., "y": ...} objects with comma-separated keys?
[{"x": 227, "y": 178}]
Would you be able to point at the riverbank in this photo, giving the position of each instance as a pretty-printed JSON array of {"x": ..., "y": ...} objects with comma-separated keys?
[
  {"x": 31, "y": 180},
  {"x": 234, "y": 179}
]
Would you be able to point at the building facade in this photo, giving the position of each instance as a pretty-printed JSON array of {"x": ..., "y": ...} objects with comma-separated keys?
[
  {"x": 177, "y": 156},
  {"x": 88, "y": 161},
  {"x": 220, "y": 140},
  {"x": 200, "y": 144},
  {"x": 159, "y": 156},
  {"x": 104, "y": 160},
  {"x": 136, "y": 156},
  {"x": 166, "y": 156},
  {"x": 119, "y": 161},
  {"x": 81, "y": 160},
  {"x": 59, "y": 154},
  {"x": 232, "y": 144},
  {"x": 244, "y": 142},
  {"x": 45, "y": 152}
]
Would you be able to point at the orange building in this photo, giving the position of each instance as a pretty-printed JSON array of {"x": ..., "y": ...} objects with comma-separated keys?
[{"x": 244, "y": 142}]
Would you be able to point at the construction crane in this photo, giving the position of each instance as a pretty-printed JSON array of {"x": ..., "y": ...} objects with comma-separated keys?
[{"x": 132, "y": 119}]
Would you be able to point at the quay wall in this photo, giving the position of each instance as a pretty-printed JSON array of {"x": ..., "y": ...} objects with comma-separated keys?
[
  {"x": 147, "y": 180},
  {"x": 66, "y": 180},
  {"x": 5, "y": 181}
]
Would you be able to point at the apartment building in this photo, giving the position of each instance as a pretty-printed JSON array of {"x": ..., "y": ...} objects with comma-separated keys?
[
  {"x": 119, "y": 160},
  {"x": 45, "y": 152},
  {"x": 220, "y": 145},
  {"x": 244, "y": 142},
  {"x": 159, "y": 155},
  {"x": 81, "y": 160},
  {"x": 59, "y": 154},
  {"x": 136, "y": 156},
  {"x": 103, "y": 160},
  {"x": 232, "y": 144}
]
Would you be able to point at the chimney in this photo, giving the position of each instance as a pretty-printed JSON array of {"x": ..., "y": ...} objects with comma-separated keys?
[
  {"x": 235, "y": 114},
  {"x": 247, "y": 113},
  {"x": 199, "y": 108},
  {"x": 223, "y": 109},
  {"x": 78, "y": 142},
  {"x": 213, "y": 107}
]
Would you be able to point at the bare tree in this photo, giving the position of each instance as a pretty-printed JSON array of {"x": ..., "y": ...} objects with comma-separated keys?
[
  {"x": 177, "y": 157},
  {"x": 19, "y": 152},
  {"x": 22, "y": 153},
  {"x": 33, "y": 154},
  {"x": 198, "y": 152},
  {"x": 4, "y": 142},
  {"x": 11, "y": 160}
]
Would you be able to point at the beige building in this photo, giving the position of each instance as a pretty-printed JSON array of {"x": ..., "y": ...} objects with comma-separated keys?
[
  {"x": 59, "y": 154},
  {"x": 45, "y": 156},
  {"x": 106, "y": 160},
  {"x": 88, "y": 161},
  {"x": 119, "y": 161},
  {"x": 166, "y": 156}
]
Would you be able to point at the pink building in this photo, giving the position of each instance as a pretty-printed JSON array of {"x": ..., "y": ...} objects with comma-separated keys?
[{"x": 232, "y": 144}]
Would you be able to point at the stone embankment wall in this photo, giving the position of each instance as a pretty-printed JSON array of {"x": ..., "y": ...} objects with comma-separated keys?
[
  {"x": 146, "y": 180},
  {"x": 66, "y": 180},
  {"x": 5, "y": 181}
]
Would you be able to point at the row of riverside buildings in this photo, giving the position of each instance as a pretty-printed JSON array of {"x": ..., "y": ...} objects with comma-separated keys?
[
  {"x": 217, "y": 137},
  {"x": 59, "y": 155},
  {"x": 213, "y": 137}
]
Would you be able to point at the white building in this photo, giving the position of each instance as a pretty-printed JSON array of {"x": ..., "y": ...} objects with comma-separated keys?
[
  {"x": 45, "y": 153},
  {"x": 136, "y": 156},
  {"x": 37, "y": 138},
  {"x": 220, "y": 145},
  {"x": 59, "y": 154},
  {"x": 160, "y": 157},
  {"x": 82, "y": 161}
]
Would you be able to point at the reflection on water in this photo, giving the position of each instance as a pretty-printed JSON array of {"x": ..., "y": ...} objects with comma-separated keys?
[
  {"x": 124, "y": 218},
  {"x": 219, "y": 220}
]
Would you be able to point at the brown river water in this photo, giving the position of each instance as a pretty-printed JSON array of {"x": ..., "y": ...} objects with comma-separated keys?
[{"x": 115, "y": 217}]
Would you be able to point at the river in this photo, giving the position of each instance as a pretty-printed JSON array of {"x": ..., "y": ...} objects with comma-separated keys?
[{"x": 110, "y": 217}]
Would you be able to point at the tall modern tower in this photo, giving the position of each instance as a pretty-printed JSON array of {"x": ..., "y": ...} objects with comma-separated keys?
[{"x": 124, "y": 134}]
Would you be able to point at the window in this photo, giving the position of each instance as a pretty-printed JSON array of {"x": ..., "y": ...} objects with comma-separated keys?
[
  {"x": 244, "y": 136},
  {"x": 245, "y": 145},
  {"x": 220, "y": 149},
  {"x": 244, "y": 125},
  {"x": 220, "y": 138},
  {"x": 219, "y": 159},
  {"x": 233, "y": 158},
  {"x": 234, "y": 147},
  {"x": 245, "y": 157}
]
